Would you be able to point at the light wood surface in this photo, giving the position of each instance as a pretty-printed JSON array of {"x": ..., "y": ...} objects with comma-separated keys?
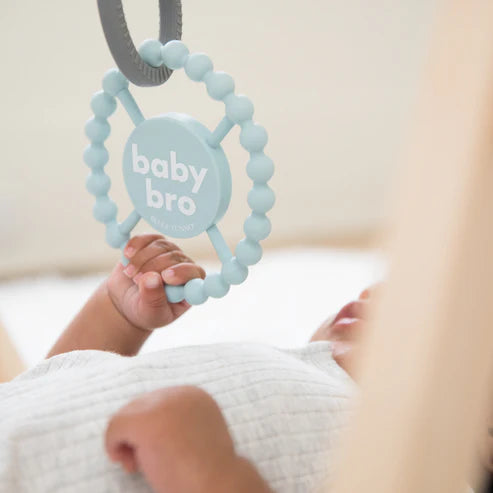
[{"x": 425, "y": 374}]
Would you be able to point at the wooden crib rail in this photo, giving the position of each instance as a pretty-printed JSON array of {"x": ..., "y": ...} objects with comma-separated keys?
[{"x": 425, "y": 374}]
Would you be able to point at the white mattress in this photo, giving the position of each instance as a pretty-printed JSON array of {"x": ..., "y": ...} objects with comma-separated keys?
[{"x": 284, "y": 299}]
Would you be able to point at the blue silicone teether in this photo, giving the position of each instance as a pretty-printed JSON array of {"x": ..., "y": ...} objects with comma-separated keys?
[{"x": 176, "y": 172}]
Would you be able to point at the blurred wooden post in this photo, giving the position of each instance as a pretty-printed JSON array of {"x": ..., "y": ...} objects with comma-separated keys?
[
  {"x": 10, "y": 362},
  {"x": 425, "y": 372}
]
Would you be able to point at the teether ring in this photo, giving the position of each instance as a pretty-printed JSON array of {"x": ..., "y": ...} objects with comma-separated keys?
[
  {"x": 176, "y": 172},
  {"x": 128, "y": 59}
]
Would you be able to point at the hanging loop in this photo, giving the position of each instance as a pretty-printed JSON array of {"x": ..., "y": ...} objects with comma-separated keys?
[{"x": 122, "y": 47}]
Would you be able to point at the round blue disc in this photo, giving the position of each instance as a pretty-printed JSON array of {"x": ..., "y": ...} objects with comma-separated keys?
[{"x": 177, "y": 182}]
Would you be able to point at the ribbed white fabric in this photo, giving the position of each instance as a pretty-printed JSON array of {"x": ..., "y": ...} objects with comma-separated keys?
[{"x": 284, "y": 410}]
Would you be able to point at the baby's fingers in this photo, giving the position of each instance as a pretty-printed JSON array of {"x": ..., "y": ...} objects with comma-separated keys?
[
  {"x": 137, "y": 243},
  {"x": 151, "y": 291},
  {"x": 148, "y": 257},
  {"x": 119, "y": 443},
  {"x": 182, "y": 273},
  {"x": 125, "y": 455}
]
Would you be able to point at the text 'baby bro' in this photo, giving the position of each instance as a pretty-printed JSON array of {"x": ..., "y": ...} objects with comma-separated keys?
[{"x": 168, "y": 170}]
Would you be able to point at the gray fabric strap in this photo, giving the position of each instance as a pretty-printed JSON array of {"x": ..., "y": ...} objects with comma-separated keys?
[{"x": 122, "y": 47}]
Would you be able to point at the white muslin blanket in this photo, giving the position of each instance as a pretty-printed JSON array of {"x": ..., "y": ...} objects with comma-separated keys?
[{"x": 284, "y": 409}]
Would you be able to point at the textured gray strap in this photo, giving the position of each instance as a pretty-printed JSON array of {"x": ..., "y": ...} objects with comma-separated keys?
[{"x": 122, "y": 47}]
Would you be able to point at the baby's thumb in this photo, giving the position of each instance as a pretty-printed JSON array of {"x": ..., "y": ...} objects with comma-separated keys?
[{"x": 151, "y": 290}]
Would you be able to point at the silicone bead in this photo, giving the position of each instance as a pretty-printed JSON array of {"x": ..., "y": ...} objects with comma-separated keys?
[
  {"x": 238, "y": 108},
  {"x": 233, "y": 272},
  {"x": 97, "y": 130},
  {"x": 98, "y": 183},
  {"x": 195, "y": 292},
  {"x": 96, "y": 156},
  {"x": 253, "y": 137},
  {"x": 215, "y": 285},
  {"x": 248, "y": 252},
  {"x": 175, "y": 294},
  {"x": 219, "y": 85},
  {"x": 197, "y": 66},
  {"x": 261, "y": 198},
  {"x": 104, "y": 209},
  {"x": 150, "y": 51},
  {"x": 257, "y": 227},
  {"x": 114, "y": 82},
  {"x": 174, "y": 54},
  {"x": 260, "y": 168},
  {"x": 114, "y": 237},
  {"x": 103, "y": 104}
]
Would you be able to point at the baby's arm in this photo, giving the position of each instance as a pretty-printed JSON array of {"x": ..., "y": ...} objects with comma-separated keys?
[{"x": 122, "y": 312}]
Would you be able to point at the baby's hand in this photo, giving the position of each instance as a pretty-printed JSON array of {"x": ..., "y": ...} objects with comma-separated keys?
[
  {"x": 178, "y": 439},
  {"x": 137, "y": 290}
]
